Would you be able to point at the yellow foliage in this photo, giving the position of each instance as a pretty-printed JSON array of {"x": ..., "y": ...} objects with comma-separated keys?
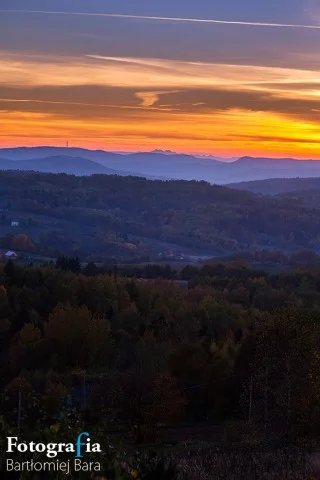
[
  {"x": 55, "y": 428},
  {"x": 78, "y": 335}
]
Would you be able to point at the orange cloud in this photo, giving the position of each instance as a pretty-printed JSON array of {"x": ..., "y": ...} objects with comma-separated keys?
[
  {"x": 150, "y": 124},
  {"x": 31, "y": 71}
]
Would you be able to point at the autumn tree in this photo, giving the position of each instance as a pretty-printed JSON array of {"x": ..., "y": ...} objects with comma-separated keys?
[
  {"x": 54, "y": 398},
  {"x": 20, "y": 403},
  {"x": 146, "y": 402},
  {"x": 167, "y": 404},
  {"x": 80, "y": 340},
  {"x": 23, "y": 352},
  {"x": 23, "y": 243},
  {"x": 281, "y": 397}
]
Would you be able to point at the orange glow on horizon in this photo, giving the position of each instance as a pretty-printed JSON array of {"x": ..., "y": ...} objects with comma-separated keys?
[{"x": 132, "y": 104}]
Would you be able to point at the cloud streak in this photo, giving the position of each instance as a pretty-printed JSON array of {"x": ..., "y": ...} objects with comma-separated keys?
[
  {"x": 148, "y": 99},
  {"x": 168, "y": 19},
  {"x": 150, "y": 78}
]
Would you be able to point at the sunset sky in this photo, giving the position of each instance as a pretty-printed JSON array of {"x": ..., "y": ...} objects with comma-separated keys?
[{"x": 227, "y": 78}]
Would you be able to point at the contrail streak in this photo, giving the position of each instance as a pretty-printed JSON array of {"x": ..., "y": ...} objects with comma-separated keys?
[{"x": 168, "y": 19}]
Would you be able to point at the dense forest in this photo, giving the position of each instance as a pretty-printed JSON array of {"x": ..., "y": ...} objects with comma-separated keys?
[
  {"x": 278, "y": 186},
  {"x": 231, "y": 360},
  {"x": 126, "y": 217}
]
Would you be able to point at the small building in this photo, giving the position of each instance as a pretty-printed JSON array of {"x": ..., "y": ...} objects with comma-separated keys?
[
  {"x": 15, "y": 223},
  {"x": 10, "y": 255}
]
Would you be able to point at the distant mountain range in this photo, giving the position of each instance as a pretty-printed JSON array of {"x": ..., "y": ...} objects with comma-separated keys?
[
  {"x": 154, "y": 165},
  {"x": 58, "y": 164},
  {"x": 65, "y": 164}
]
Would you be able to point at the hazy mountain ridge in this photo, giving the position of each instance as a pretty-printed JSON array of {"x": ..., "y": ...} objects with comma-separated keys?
[
  {"x": 278, "y": 186},
  {"x": 166, "y": 165},
  {"x": 63, "y": 164}
]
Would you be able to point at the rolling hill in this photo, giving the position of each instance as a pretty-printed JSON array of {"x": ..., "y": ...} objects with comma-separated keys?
[
  {"x": 171, "y": 165},
  {"x": 88, "y": 211},
  {"x": 277, "y": 186},
  {"x": 62, "y": 164},
  {"x": 57, "y": 164}
]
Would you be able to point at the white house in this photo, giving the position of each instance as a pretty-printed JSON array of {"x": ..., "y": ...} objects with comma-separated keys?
[
  {"x": 10, "y": 254},
  {"x": 14, "y": 224}
]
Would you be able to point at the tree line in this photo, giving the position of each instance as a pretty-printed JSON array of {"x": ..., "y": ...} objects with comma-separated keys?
[{"x": 237, "y": 344}]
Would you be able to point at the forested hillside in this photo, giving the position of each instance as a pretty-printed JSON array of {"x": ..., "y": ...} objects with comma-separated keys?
[
  {"x": 307, "y": 198},
  {"x": 116, "y": 215},
  {"x": 233, "y": 358},
  {"x": 278, "y": 186}
]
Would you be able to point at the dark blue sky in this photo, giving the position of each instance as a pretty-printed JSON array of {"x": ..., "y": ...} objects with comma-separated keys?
[
  {"x": 71, "y": 34},
  {"x": 283, "y": 11}
]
